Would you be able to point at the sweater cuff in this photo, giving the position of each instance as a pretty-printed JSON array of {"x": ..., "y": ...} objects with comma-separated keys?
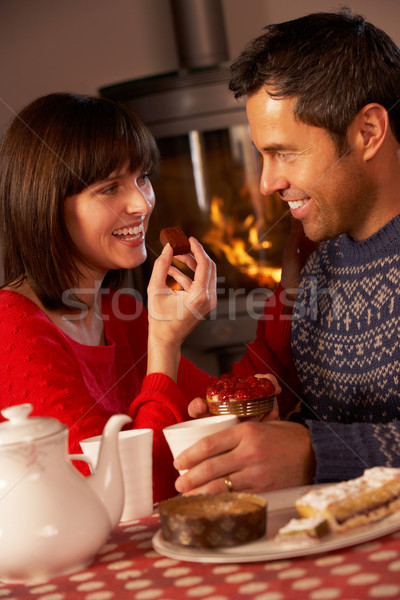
[
  {"x": 159, "y": 382},
  {"x": 339, "y": 449},
  {"x": 160, "y": 388}
]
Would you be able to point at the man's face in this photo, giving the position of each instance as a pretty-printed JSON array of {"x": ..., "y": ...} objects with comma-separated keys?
[{"x": 328, "y": 194}]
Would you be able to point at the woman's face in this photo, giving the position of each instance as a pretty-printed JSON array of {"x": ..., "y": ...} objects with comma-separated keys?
[{"x": 108, "y": 221}]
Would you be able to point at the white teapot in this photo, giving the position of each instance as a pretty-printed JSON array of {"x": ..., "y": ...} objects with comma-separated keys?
[{"x": 53, "y": 520}]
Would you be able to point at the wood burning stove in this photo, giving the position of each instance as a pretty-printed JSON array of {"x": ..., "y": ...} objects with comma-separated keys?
[{"x": 208, "y": 184}]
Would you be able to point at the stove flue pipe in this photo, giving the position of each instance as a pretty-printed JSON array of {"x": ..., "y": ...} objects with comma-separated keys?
[{"x": 200, "y": 33}]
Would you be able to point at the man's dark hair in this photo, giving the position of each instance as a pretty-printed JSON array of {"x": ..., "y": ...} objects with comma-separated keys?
[{"x": 333, "y": 63}]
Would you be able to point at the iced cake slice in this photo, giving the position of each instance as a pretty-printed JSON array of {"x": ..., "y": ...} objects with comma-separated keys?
[
  {"x": 348, "y": 504},
  {"x": 303, "y": 531}
]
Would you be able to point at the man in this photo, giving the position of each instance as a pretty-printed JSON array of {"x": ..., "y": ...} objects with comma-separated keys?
[{"x": 323, "y": 104}]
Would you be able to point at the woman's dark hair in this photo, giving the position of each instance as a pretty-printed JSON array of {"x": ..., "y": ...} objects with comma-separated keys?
[
  {"x": 333, "y": 63},
  {"x": 57, "y": 146}
]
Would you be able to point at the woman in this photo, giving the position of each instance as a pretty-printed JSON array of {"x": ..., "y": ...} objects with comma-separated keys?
[{"x": 75, "y": 201}]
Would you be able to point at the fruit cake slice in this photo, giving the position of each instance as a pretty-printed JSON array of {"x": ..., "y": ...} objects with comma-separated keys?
[{"x": 242, "y": 396}]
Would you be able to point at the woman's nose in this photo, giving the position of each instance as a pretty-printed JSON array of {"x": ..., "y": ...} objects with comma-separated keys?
[{"x": 140, "y": 201}]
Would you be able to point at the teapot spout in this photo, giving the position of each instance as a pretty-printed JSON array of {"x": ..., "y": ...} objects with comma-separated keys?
[{"x": 107, "y": 481}]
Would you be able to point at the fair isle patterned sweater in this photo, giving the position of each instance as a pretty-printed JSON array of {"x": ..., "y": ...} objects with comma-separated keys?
[{"x": 346, "y": 347}]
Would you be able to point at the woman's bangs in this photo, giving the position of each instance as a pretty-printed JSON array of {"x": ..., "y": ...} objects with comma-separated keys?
[
  {"x": 112, "y": 145},
  {"x": 140, "y": 146}
]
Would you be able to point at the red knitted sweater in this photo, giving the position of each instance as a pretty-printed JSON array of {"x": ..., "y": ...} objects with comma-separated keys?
[{"x": 83, "y": 385}]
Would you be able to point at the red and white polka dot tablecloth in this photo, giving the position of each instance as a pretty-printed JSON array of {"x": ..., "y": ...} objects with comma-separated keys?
[{"x": 128, "y": 568}]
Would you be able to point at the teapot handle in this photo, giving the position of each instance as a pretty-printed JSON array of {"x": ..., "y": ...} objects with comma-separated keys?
[{"x": 84, "y": 458}]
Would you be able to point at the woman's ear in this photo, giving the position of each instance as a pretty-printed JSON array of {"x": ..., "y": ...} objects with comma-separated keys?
[{"x": 372, "y": 124}]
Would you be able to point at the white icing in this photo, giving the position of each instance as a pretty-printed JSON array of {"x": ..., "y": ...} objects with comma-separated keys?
[
  {"x": 373, "y": 478},
  {"x": 301, "y": 525}
]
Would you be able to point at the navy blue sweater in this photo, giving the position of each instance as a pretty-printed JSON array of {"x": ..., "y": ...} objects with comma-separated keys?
[{"x": 346, "y": 348}]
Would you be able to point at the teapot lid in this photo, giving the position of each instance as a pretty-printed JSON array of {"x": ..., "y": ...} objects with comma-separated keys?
[{"x": 21, "y": 428}]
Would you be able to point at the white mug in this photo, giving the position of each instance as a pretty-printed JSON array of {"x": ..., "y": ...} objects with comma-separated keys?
[
  {"x": 182, "y": 435},
  {"x": 136, "y": 455}
]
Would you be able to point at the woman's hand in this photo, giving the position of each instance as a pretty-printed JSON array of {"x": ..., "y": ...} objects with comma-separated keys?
[
  {"x": 173, "y": 314},
  {"x": 198, "y": 408}
]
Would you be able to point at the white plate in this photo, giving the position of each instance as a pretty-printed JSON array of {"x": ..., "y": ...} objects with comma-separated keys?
[{"x": 280, "y": 510}]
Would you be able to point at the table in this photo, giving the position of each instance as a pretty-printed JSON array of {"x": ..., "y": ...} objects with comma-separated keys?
[{"x": 128, "y": 568}]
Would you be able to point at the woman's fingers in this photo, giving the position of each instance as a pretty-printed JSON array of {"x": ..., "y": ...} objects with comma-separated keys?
[
  {"x": 183, "y": 280},
  {"x": 272, "y": 379},
  {"x": 161, "y": 267},
  {"x": 198, "y": 408}
]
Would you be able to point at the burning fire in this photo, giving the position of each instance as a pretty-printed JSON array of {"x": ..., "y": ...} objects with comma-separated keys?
[{"x": 223, "y": 238}]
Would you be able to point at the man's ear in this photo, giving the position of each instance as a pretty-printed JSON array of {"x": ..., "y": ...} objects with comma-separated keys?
[{"x": 372, "y": 124}]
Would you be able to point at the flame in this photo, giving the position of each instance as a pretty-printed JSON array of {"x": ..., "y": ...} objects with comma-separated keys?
[{"x": 223, "y": 240}]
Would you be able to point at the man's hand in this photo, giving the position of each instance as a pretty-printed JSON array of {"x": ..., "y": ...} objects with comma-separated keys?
[{"x": 257, "y": 457}]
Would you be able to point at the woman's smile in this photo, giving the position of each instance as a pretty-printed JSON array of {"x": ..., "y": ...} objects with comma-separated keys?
[{"x": 129, "y": 233}]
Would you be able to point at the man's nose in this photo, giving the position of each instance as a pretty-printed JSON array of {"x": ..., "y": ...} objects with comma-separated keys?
[{"x": 272, "y": 180}]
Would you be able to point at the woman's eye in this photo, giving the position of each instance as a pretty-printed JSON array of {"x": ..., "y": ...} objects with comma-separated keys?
[
  {"x": 144, "y": 177},
  {"x": 109, "y": 190}
]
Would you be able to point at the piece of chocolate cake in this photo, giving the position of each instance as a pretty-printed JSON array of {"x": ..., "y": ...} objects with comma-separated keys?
[
  {"x": 176, "y": 237},
  {"x": 213, "y": 520}
]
